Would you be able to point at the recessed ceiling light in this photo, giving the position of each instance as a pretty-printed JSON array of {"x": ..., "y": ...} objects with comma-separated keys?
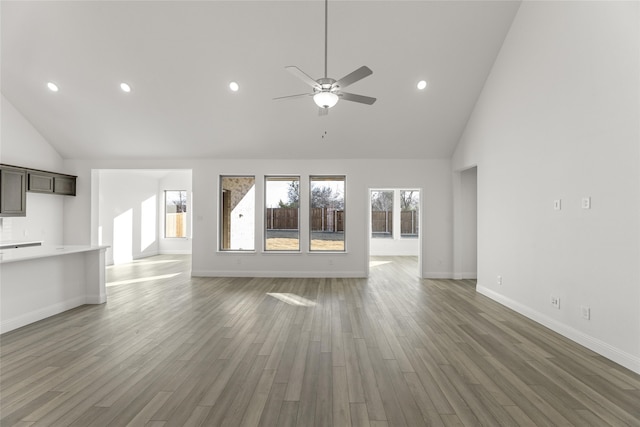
[
  {"x": 422, "y": 84},
  {"x": 125, "y": 87},
  {"x": 234, "y": 86},
  {"x": 53, "y": 87}
]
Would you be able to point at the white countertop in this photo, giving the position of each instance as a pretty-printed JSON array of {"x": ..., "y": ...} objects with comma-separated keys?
[
  {"x": 20, "y": 243},
  {"x": 35, "y": 252}
]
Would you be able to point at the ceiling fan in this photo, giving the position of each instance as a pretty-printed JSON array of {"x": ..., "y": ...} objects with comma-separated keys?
[{"x": 327, "y": 91}]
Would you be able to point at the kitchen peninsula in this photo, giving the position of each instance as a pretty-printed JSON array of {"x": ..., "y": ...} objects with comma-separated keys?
[{"x": 40, "y": 281}]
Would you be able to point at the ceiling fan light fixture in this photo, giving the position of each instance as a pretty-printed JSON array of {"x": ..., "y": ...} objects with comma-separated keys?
[{"x": 325, "y": 99}]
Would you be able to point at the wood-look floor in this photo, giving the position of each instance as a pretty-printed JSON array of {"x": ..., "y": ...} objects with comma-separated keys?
[{"x": 393, "y": 350}]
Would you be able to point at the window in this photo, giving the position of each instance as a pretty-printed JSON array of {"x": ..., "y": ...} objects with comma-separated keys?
[
  {"x": 175, "y": 213},
  {"x": 327, "y": 212},
  {"x": 409, "y": 214},
  {"x": 282, "y": 209},
  {"x": 237, "y": 213},
  {"x": 382, "y": 214}
]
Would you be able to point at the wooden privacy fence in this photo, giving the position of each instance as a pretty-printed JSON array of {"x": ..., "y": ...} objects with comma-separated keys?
[
  {"x": 282, "y": 218},
  {"x": 325, "y": 219},
  {"x": 408, "y": 222},
  {"x": 382, "y": 222},
  {"x": 176, "y": 225},
  {"x": 322, "y": 219}
]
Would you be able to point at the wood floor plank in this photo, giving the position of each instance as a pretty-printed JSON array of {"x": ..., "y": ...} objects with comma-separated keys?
[
  {"x": 352, "y": 369},
  {"x": 375, "y": 407},
  {"x": 340, "y": 400},
  {"x": 358, "y": 415},
  {"x": 273, "y": 405},
  {"x": 288, "y": 414},
  {"x": 149, "y": 409},
  {"x": 296, "y": 377},
  {"x": 324, "y": 392},
  {"x": 309, "y": 389},
  {"x": 390, "y": 350}
]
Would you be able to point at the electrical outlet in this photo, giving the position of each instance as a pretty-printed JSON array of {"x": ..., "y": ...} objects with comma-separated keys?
[
  {"x": 499, "y": 280},
  {"x": 586, "y": 312},
  {"x": 555, "y": 301},
  {"x": 586, "y": 203}
]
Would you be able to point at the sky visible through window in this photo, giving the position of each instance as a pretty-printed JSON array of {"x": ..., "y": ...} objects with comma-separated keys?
[{"x": 277, "y": 191}]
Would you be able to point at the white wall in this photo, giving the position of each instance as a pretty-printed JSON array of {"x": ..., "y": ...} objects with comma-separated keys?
[
  {"x": 128, "y": 215},
  {"x": 559, "y": 119},
  {"x": 22, "y": 145},
  {"x": 175, "y": 180},
  {"x": 433, "y": 176}
]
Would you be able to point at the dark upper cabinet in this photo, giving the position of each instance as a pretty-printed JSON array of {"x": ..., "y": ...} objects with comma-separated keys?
[
  {"x": 65, "y": 185},
  {"x": 15, "y": 181},
  {"x": 50, "y": 182},
  {"x": 13, "y": 196},
  {"x": 40, "y": 182}
]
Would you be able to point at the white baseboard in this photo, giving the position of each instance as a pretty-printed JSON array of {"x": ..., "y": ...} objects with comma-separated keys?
[
  {"x": 438, "y": 275},
  {"x": 96, "y": 299},
  {"x": 287, "y": 274},
  {"x": 39, "y": 314},
  {"x": 143, "y": 255},
  {"x": 465, "y": 276},
  {"x": 621, "y": 357},
  {"x": 176, "y": 252}
]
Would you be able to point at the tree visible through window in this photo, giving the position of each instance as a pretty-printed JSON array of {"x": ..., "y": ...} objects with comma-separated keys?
[{"x": 175, "y": 213}]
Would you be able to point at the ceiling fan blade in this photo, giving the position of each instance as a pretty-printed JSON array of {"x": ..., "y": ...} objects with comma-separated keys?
[
  {"x": 353, "y": 77},
  {"x": 302, "y": 76},
  {"x": 357, "y": 98},
  {"x": 323, "y": 111},
  {"x": 300, "y": 95}
]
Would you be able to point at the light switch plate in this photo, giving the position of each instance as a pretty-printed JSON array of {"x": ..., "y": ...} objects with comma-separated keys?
[{"x": 557, "y": 205}]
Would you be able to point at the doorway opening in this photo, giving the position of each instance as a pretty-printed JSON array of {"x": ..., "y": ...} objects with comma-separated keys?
[
  {"x": 140, "y": 213},
  {"x": 466, "y": 224},
  {"x": 394, "y": 230}
]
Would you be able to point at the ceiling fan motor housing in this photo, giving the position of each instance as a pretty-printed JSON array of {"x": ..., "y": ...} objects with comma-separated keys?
[{"x": 326, "y": 85}]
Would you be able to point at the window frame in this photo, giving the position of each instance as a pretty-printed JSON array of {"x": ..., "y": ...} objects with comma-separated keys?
[
  {"x": 222, "y": 214},
  {"x": 390, "y": 234},
  {"x": 343, "y": 179},
  {"x": 187, "y": 210},
  {"x": 264, "y": 228},
  {"x": 417, "y": 210}
]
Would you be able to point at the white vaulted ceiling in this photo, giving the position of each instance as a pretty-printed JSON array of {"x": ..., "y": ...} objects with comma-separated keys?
[{"x": 179, "y": 57}]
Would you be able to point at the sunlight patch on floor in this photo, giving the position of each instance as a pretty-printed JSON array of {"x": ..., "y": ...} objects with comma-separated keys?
[
  {"x": 143, "y": 262},
  {"x": 160, "y": 261},
  {"x": 378, "y": 263},
  {"x": 141, "y": 279},
  {"x": 292, "y": 299}
]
